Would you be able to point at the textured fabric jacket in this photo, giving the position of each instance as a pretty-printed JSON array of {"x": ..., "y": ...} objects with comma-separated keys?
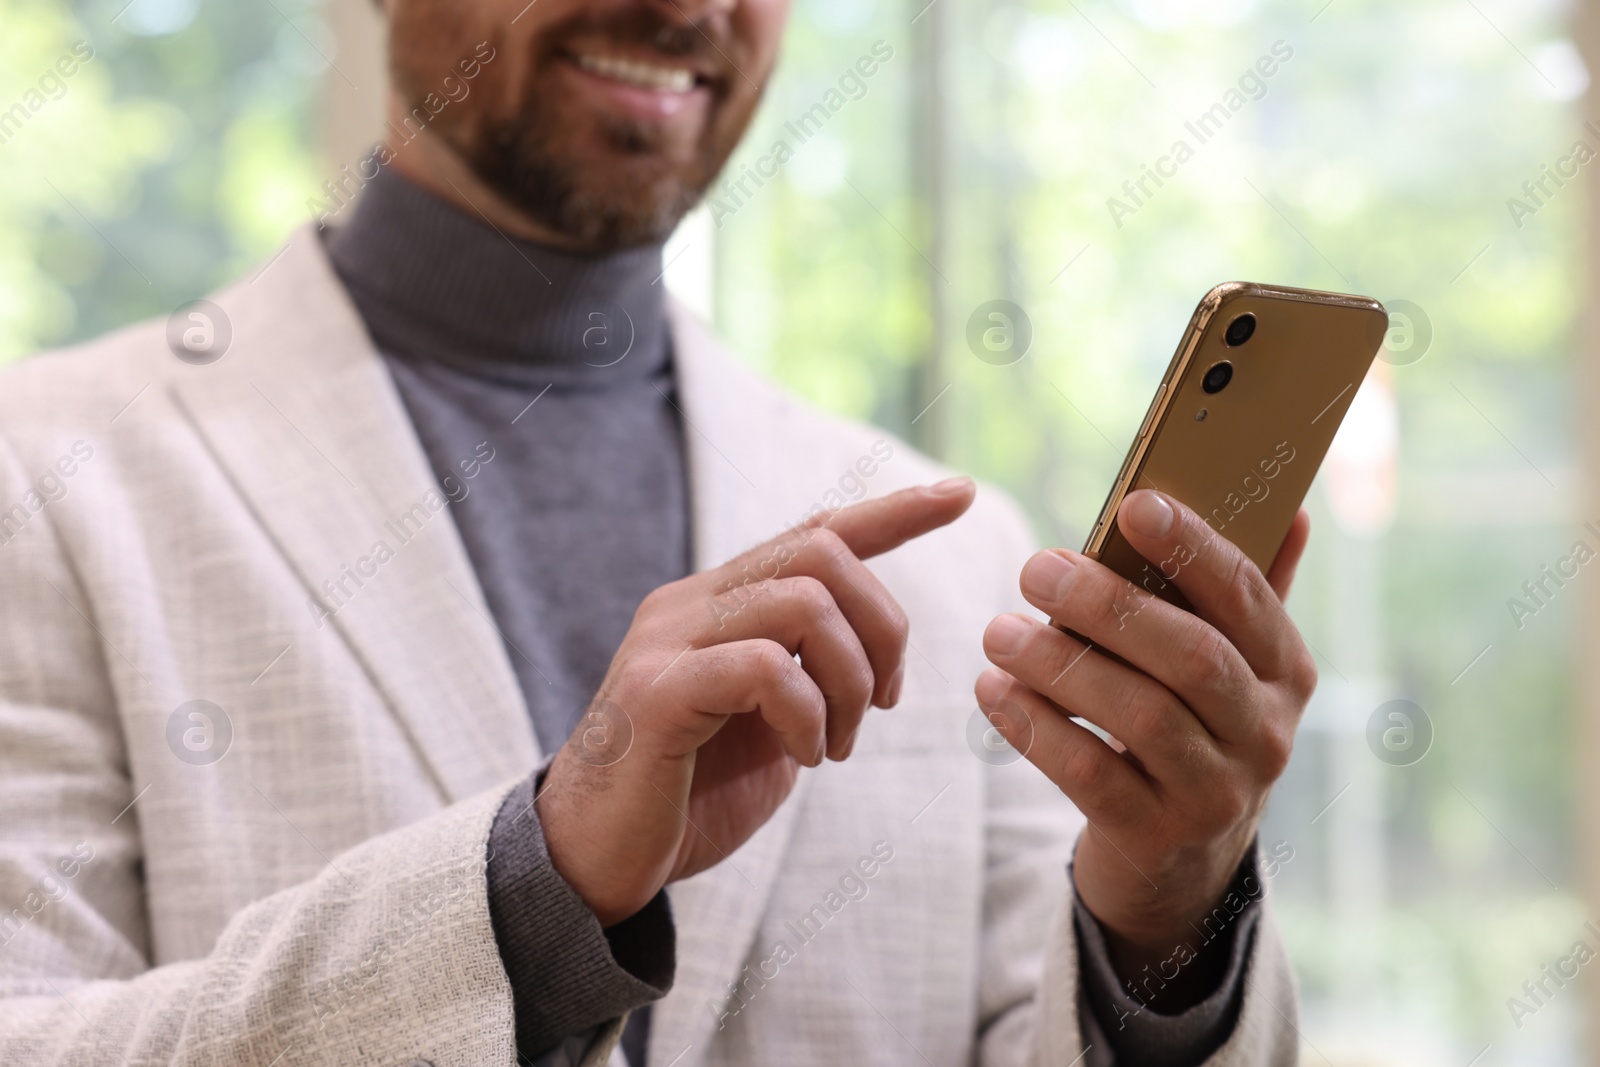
[{"x": 238, "y": 827}]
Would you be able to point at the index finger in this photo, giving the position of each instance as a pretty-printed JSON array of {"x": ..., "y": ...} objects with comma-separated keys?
[
  {"x": 830, "y": 546},
  {"x": 871, "y": 527},
  {"x": 1224, "y": 587},
  {"x": 874, "y": 527}
]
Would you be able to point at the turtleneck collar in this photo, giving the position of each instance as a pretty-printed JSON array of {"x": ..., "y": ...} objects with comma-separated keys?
[{"x": 435, "y": 282}]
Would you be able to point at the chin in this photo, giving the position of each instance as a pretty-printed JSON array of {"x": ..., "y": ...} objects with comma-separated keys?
[
  {"x": 617, "y": 185},
  {"x": 601, "y": 205},
  {"x": 605, "y": 217}
]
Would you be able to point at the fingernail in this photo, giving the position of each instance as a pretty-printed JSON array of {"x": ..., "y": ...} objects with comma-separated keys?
[
  {"x": 850, "y": 745},
  {"x": 991, "y": 688},
  {"x": 892, "y": 697},
  {"x": 1149, "y": 514},
  {"x": 1006, "y": 635},
  {"x": 1045, "y": 577},
  {"x": 999, "y": 717},
  {"x": 951, "y": 486},
  {"x": 822, "y": 752}
]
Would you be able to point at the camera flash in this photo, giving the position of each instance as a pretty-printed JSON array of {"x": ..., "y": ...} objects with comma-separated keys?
[{"x": 1200, "y": 416}]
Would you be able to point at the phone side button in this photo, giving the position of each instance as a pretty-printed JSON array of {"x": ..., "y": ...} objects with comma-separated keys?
[{"x": 1155, "y": 406}]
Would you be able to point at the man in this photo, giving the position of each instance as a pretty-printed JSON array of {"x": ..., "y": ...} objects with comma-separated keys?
[{"x": 303, "y": 590}]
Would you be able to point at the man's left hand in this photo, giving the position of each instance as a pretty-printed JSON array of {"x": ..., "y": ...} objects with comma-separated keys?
[{"x": 1204, "y": 707}]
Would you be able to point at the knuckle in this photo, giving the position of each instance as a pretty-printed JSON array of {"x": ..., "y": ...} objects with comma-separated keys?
[
  {"x": 771, "y": 663},
  {"x": 1083, "y": 765},
  {"x": 655, "y": 602},
  {"x": 810, "y": 594},
  {"x": 827, "y": 544},
  {"x": 1206, "y": 662},
  {"x": 1060, "y": 660},
  {"x": 1193, "y": 753},
  {"x": 1241, "y": 595},
  {"x": 1302, "y": 674},
  {"x": 776, "y": 679},
  {"x": 858, "y": 692},
  {"x": 1146, "y": 717},
  {"x": 1114, "y": 601},
  {"x": 1277, "y": 747}
]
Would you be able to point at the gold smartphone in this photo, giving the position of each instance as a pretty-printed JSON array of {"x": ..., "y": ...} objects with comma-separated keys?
[{"x": 1243, "y": 419}]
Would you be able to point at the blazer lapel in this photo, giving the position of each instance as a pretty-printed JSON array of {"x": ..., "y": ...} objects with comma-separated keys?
[
  {"x": 303, "y": 416},
  {"x": 738, "y": 499}
]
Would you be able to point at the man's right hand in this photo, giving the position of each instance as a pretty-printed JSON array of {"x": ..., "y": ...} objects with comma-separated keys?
[{"x": 704, "y": 718}]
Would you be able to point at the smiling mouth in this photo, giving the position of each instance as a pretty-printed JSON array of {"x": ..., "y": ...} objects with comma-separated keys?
[{"x": 638, "y": 74}]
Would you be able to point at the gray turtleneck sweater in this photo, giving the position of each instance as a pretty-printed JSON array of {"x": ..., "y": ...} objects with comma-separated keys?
[
  {"x": 559, "y": 368},
  {"x": 540, "y": 385}
]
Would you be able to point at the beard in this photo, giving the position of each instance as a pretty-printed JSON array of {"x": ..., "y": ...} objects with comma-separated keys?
[
  {"x": 637, "y": 196},
  {"x": 602, "y": 181}
]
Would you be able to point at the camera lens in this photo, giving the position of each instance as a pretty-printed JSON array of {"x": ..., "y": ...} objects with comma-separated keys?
[
  {"x": 1218, "y": 377},
  {"x": 1240, "y": 330}
]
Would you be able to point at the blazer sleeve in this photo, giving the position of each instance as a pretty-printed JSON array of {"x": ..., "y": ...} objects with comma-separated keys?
[
  {"x": 1031, "y": 981},
  {"x": 386, "y": 957}
]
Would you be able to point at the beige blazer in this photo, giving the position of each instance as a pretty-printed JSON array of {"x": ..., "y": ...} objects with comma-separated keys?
[{"x": 291, "y": 871}]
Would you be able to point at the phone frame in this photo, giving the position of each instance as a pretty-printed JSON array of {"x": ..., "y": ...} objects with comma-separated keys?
[{"x": 1200, "y": 323}]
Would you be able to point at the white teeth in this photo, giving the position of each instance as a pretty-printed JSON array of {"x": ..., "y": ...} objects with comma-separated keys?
[{"x": 640, "y": 75}]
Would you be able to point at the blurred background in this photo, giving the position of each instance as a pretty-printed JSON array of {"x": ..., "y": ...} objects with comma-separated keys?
[{"x": 1432, "y": 154}]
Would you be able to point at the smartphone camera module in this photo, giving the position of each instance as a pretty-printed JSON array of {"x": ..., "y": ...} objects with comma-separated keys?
[
  {"x": 1240, "y": 330},
  {"x": 1218, "y": 377}
]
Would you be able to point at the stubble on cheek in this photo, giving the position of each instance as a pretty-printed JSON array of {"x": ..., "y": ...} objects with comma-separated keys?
[{"x": 602, "y": 179}]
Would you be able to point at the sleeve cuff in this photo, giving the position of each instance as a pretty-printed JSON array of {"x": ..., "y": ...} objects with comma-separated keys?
[
  {"x": 567, "y": 975},
  {"x": 1127, "y": 1015}
]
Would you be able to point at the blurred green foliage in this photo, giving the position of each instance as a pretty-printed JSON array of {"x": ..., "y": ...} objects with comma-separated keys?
[
  {"x": 1378, "y": 159},
  {"x": 176, "y": 157}
]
